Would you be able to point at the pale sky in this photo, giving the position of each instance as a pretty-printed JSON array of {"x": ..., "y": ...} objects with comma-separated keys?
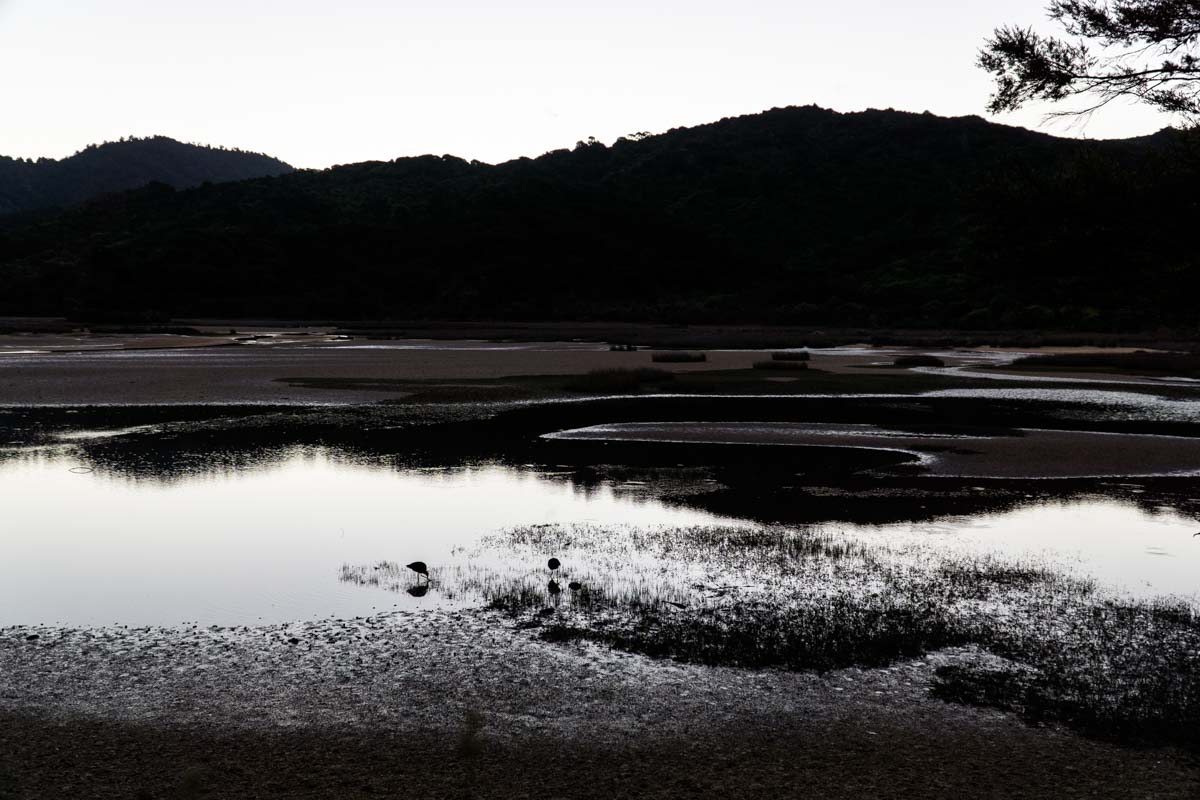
[{"x": 321, "y": 83}]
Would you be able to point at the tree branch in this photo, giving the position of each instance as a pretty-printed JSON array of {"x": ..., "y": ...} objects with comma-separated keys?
[{"x": 1148, "y": 50}]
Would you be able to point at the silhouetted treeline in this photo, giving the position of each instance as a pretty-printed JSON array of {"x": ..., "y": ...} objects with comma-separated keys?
[
  {"x": 116, "y": 166},
  {"x": 794, "y": 216}
]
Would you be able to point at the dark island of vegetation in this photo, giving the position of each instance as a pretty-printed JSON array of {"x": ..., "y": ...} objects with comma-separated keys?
[{"x": 796, "y": 216}]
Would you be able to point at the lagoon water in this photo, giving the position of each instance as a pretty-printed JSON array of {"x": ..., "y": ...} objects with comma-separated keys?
[
  {"x": 265, "y": 545},
  {"x": 79, "y": 546}
]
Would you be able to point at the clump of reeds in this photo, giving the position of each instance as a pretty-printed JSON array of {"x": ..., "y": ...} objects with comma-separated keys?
[
  {"x": 980, "y": 577},
  {"x": 520, "y": 596},
  {"x": 679, "y": 357}
]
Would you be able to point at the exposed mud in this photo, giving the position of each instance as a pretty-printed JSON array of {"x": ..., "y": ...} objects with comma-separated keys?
[{"x": 381, "y": 705}]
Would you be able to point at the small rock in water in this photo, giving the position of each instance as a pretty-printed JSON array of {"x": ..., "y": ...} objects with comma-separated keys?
[
  {"x": 32, "y": 637},
  {"x": 293, "y": 640}
]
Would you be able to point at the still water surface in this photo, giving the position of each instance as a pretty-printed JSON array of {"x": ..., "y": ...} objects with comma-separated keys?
[{"x": 81, "y": 547}]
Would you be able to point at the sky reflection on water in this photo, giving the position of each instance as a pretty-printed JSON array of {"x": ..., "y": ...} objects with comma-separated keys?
[
  {"x": 257, "y": 546},
  {"x": 1126, "y": 549},
  {"x": 267, "y": 544}
]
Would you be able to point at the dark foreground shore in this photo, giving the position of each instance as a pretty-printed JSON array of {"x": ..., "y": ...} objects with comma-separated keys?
[
  {"x": 837, "y": 760},
  {"x": 465, "y": 705}
]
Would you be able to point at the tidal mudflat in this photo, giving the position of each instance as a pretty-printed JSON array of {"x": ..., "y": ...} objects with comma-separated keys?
[{"x": 761, "y": 581}]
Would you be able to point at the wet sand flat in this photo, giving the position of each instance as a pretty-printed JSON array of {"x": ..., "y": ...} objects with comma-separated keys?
[
  {"x": 464, "y": 704},
  {"x": 312, "y": 367},
  {"x": 284, "y": 373},
  {"x": 1025, "y": 454}
]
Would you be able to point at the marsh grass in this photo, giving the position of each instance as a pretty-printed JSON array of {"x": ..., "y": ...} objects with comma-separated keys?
[
  {"x": 759, "y": 597},
  {"x": 821, "y": 633},
  {"x": 980, "y": 578},
  {"x": 678, "y": 357},
  {"x": 1120, "y": 670},
  {"x": 517, "y": 597}
]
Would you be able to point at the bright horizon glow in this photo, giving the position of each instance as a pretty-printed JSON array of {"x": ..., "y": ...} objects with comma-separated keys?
[{"x": 319, "y": 84}]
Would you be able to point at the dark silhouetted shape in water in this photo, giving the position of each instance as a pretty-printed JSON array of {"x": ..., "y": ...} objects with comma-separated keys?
[
  {"x": 420, "y": 568},
  {"x": 420, "y": 590},
  {"x": 553, "y": 564}
]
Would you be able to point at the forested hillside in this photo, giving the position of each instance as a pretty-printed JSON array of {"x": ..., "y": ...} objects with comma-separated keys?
[
  {"x": 127, "y": 164},
  {"x": 796, "y": 215}
]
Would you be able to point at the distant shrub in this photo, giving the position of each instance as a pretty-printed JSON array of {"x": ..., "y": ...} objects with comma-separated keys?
[
  {"x": 918, "y": 361},
  {"x": 679, "y": 357},
  {"x": 791, "y": 355},
  {"x": 787, "y": 366},
  {"x": 619, "y": 380}
]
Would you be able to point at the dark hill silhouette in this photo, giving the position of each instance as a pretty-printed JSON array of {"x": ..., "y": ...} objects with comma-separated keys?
[
  {"x": 127, "y": 164},
  {"x": 796, "y": 215}
]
